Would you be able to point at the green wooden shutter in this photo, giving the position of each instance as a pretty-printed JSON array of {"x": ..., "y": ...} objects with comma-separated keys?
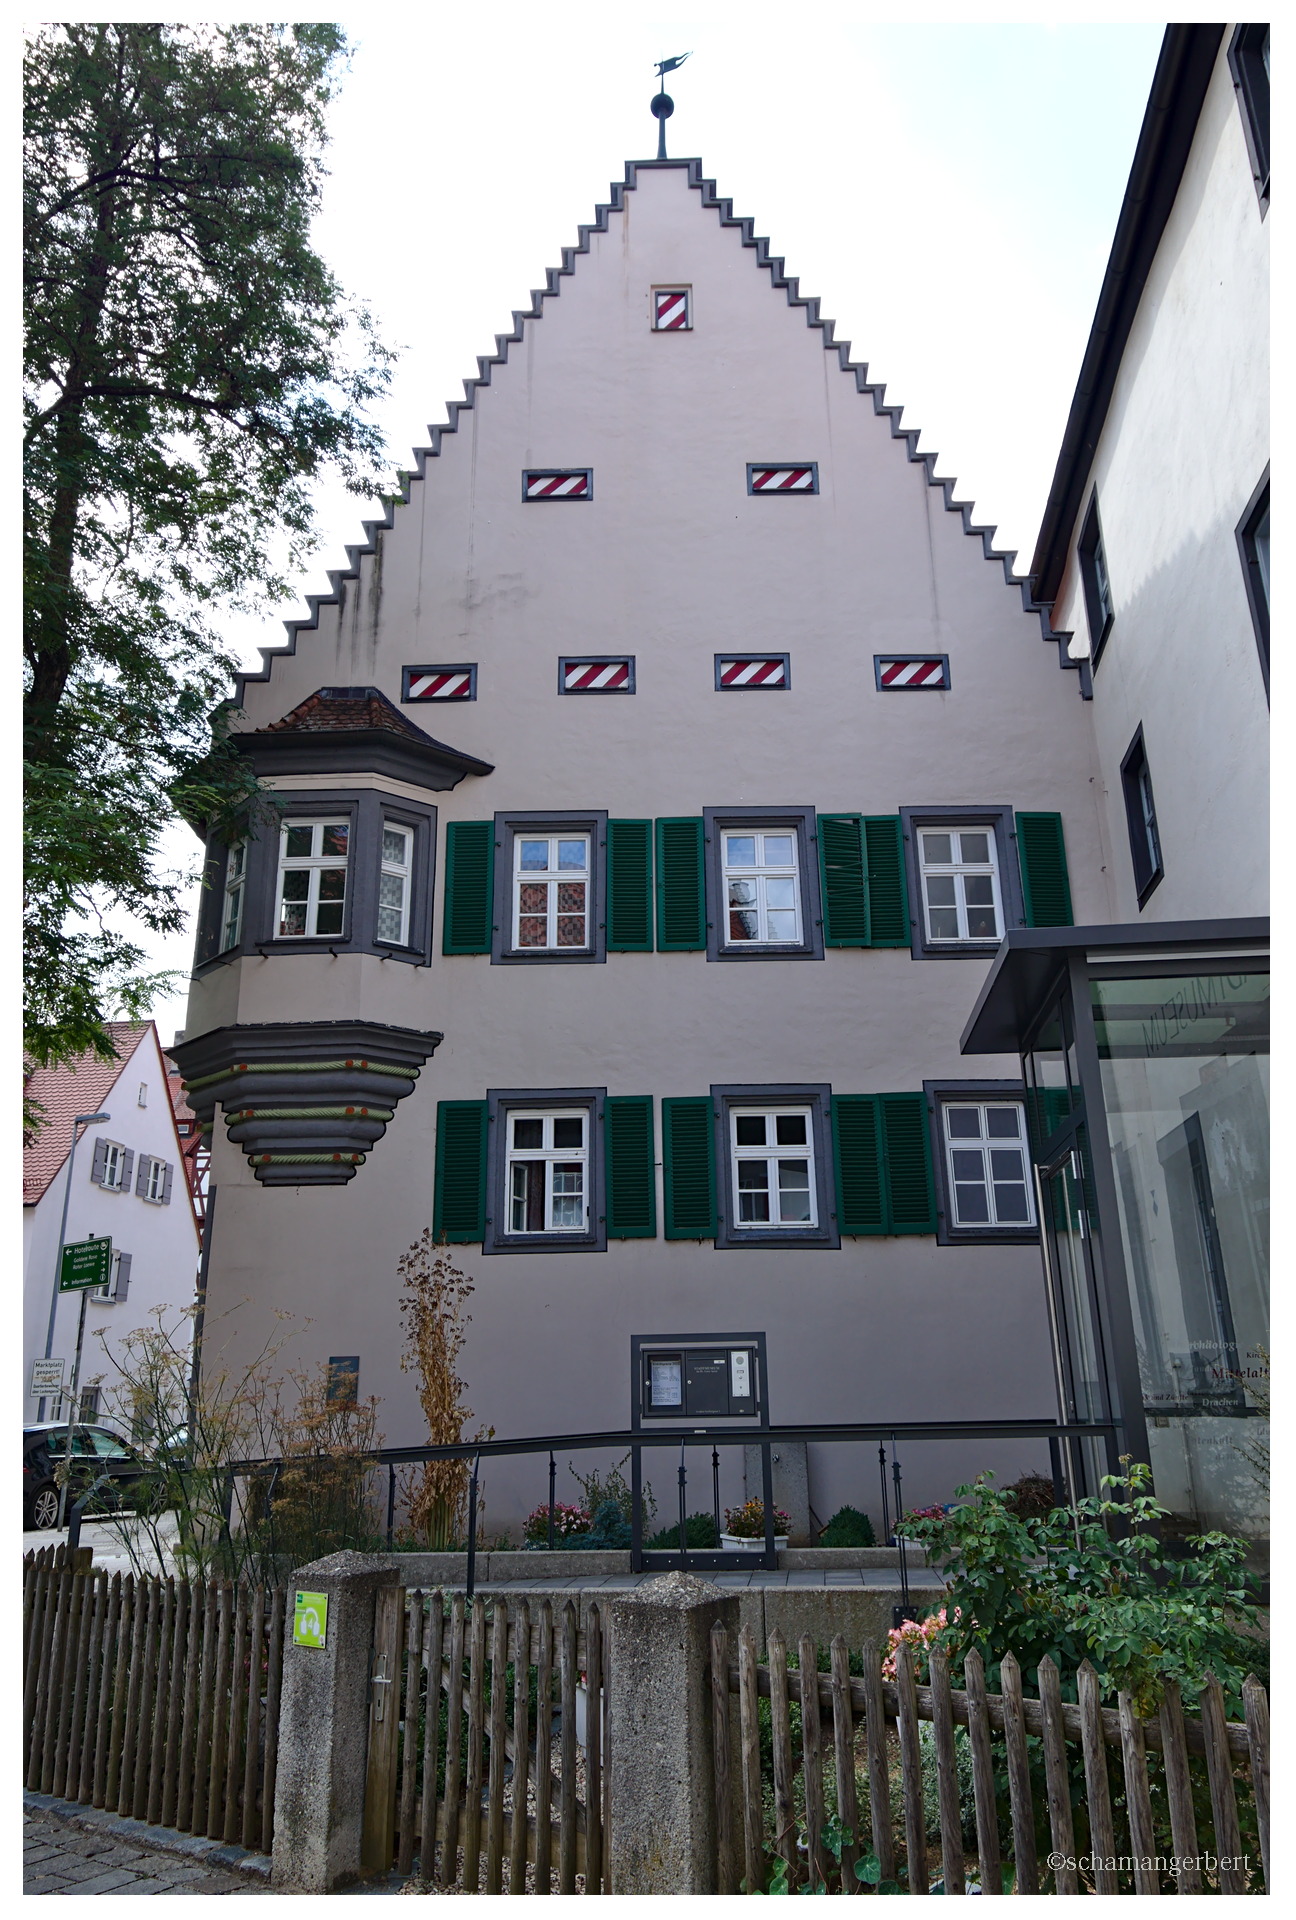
[
  {"x": 857, "y": 1164},
  {"x": 1041, "y": 852},
  {"x": 631, "y": 1175},
  {"x": 459, "y": 1197},
  {"x": 629, "y": 886},
  {"x": 681, "y": 887},
  {"x": 906, "y": 1141},
  {"x": 469, "y": 886},
  {"x": 888, "y": 896},
  {"x": 845, "y": 897},
  {"x": 688, "y": 1166}
]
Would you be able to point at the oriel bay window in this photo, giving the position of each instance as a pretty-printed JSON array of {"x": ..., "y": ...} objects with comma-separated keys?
[
  {"x": 232, "y": 909},
  {"x": 394, "y": 883}
]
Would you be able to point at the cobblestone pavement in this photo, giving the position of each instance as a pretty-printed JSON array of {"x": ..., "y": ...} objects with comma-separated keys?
[{"x": 60, "y": 1858}]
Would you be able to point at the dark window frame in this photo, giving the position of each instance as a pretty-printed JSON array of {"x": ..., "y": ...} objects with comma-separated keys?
[
  {"x": 409, "y": 674},
  {"x": 594, "y": 822},
  {"x": 1088, "y": 546},
  {"x": 1257, "y": 509},
  {"x": 500, "y": 1102},
  {"x": 1251, "y": 84},
  {"x": 671, "y": 286},
  {"x": 770, "y": 686},
  {"x": 818, "y": 1098},
  {"x": 1001, "y": 820},
  {"x": 566, "y": 660},
  {"x": 365, "y": 808},
  {"x": 943, "y": 1093},
  {"x": 1148, "y": 871},
  {"x": 803, "y": 822}
]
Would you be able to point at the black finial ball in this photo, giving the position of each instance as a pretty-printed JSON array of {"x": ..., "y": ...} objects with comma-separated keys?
[{"x": 663, "y": 106}]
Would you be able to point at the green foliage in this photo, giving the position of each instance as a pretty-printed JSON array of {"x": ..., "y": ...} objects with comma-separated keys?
[
  {"x": 848, "y": 1528},
  {"x": 699, "y": 1531},
  {"x": 597, "y": 1487},
  {"x": 609, "y": 1531},
  {"x": 191, "y": 368},
  {"x": 1091, "y": 1582}
]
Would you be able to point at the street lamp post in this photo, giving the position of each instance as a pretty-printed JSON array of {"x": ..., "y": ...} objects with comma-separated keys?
[{"x": 81, "y": 1120}]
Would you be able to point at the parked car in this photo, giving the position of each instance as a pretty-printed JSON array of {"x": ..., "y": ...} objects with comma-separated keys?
[{"x": 95, "y": 1450}]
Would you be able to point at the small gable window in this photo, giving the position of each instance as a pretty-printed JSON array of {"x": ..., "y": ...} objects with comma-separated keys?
[
  {"x": 905, "y": 673},
  {"x": 799, "y": 477},
  {"x": 734, "y": 673},
  {"x": 558, "y": 483},
  {"x": 672, "y": 309},
  {"x": 605, "y": 673},
  {"x": 440, "y": 683}
]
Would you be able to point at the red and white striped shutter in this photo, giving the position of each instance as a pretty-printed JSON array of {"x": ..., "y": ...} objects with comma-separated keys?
[
  {"x": 439, "y": 683},
  {"x": 572, "y": 483},
  {"x": 672, "y": 309},
  {"x": 786, "y": 479},
  {"x": 597, "y": 676},
  {"x": 912, "y": 675},
  {"x": 735, "y": 671}
]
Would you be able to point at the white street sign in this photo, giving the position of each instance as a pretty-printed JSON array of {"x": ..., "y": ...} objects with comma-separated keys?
[{"x": 47, "y": 1376}]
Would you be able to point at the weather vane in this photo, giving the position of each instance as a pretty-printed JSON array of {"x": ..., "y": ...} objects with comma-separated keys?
[{"x": 662, "y": 104}]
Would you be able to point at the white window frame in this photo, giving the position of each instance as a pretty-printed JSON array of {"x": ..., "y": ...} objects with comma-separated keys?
[
  {"x": 314, "y": 865},
  {"x": 960, "y": 870},
  {"x": 551, "y": 1157},
  {"x": 984, "y": 1146},
  {"x": 759, "y": 875},
  {"x": 231, "y": 923},
  {"x": 154, "y": 1180},
  {"x": 402, "y": 871},
  {"x": 551, "y": 878},
  {"x": 771, "y": 1155},
  {"x": 114, "y": 1163},
  {"x": 108, "y": 1291}
]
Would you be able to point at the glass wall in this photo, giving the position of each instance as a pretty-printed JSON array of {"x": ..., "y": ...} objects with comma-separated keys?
[{"x": 1185, "y": 1073}]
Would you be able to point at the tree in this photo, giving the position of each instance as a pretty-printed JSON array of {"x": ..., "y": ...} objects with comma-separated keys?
[{"x": 191, "y": 367}]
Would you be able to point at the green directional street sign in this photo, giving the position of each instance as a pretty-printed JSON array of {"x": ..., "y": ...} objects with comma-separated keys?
[{"x": 85, "y": 1263}]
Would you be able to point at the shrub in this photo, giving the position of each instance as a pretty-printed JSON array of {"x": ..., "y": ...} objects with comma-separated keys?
[
  {"x": 699, "y": 1531},
  {"x": 848, "y": 1528},
  {"x": 609, "y": 1530},
  {"x": 598, "y": 1487},
  {"x": 1091, "y": 1582}
]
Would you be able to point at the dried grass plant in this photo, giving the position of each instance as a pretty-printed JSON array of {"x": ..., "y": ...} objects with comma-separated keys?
[{"x": 436, "y": 1326}]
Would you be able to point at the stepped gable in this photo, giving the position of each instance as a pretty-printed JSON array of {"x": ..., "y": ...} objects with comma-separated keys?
[{"x": 772, "y": 264}]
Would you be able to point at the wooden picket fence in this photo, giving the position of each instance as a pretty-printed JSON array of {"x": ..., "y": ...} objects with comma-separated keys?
[
  {"x": 153, "y": 1697},
  {"x": 475, "y": 1767},
  {"x": 781, "y": 1804}
]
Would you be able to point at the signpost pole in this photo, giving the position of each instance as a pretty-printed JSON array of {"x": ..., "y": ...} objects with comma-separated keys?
[
  {"x": 73, "y": 1391},
  {"x": 80, "y": 1120}
]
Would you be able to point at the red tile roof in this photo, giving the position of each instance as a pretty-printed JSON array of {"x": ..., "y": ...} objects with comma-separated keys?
[
  {"x": 346, "y": 710},
  {"x": 63, "y": 1092}
]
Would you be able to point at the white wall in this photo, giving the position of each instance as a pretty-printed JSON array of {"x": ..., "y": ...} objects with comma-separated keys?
[
  {"x": 1184, "y": 446},
  {"x": 162, "y": 1240}
]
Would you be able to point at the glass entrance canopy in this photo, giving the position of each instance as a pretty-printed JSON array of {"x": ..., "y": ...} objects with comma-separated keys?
[{"x": 1145, "y": 1052}]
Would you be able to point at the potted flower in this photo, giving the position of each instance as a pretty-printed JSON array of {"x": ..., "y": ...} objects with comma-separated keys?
[{"x": 744, "y": 1526}]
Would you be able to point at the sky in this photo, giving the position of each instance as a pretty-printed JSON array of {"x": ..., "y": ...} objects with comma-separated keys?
[{"x": 949, "y": 191}]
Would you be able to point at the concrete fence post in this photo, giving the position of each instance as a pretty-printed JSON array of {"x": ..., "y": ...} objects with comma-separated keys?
[
  {"x": 324, "y": 1729},
  {"x": 662, "y": 1814}
]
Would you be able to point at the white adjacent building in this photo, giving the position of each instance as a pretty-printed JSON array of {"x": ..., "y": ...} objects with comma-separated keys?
[{"x": 129, "y": 1184}]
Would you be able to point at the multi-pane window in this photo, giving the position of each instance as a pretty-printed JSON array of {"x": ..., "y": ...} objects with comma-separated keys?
[
  {"x": 1096, "y": 580},
  {"x": 114, "y": 1166},
  {"x": 312, "y": 877},
  {"x": 959, "y": 870},
  {"x": 985, "y": 1155},
  {"x": 153, "y": 1186},
  {"x": 547, "y": 1172},
  {"x": 773, "y": 1167},
  {"x": 762, "y": 891},
  {"x": 551, "y": 879},
  {"x": 394, "y": 884},
  {"x": 232, "y": 911},
  {"x": 1140, "y": 817}
]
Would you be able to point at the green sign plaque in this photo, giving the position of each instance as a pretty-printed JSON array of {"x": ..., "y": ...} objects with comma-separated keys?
[
  {"x": 85, "y": 1263},
  {"x": 310, "y": 1620}
]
